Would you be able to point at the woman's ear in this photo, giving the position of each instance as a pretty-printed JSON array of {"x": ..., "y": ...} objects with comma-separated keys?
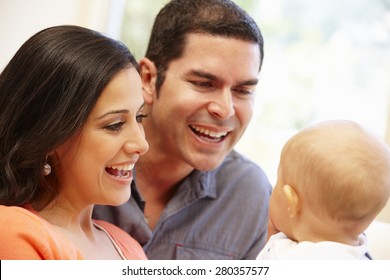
[
  {"x": 293, "y": 201},
  {"x": 148, "y": 72}
]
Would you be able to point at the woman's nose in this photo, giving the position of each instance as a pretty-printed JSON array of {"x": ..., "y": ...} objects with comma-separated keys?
[{"x": 136, "y": 142}]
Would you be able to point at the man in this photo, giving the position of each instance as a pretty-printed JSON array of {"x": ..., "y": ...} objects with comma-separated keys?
[{"x": 194, "y": 197}]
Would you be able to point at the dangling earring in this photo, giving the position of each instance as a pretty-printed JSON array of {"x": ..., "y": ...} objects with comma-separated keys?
[{"x": 46, "y": 168}]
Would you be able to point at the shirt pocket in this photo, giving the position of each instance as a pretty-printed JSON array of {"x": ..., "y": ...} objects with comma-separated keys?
[{"x": 188, "y": 252}]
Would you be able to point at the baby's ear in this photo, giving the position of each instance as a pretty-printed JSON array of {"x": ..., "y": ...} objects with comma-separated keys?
[{"x": 293, "y": 201}]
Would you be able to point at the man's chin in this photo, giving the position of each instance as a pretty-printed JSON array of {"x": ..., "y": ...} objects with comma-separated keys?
[{"x": 208, "y": 164}]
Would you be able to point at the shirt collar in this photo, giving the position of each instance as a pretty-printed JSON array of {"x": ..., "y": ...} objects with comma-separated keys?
[{"x": 202, "y": 183}]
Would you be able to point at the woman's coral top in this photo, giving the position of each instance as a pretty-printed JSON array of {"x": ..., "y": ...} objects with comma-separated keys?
[{"x": 24, "y": 235}]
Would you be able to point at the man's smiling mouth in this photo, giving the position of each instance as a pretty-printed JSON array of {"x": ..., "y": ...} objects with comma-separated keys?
[{"x": 209, "y": 135}]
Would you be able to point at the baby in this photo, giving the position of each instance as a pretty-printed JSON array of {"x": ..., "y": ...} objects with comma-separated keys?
[{"x": 333, "y": 180}]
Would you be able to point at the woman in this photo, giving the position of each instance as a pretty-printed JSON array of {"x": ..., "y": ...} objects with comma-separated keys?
[{"x": 70, "y": 134}]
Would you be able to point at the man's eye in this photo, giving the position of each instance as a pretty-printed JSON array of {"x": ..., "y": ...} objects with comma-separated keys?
[
  {"x": 203, "y": 84},
  {"x": 140, "y": 118},
  {"x": 244, "y": 91},
  {"x": 115, "y": 126}
]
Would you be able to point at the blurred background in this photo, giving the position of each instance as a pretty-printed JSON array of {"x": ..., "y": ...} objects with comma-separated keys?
[{"x": 323, "y": 59}]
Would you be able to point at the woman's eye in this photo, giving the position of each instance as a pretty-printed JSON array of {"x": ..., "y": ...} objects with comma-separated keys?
[
  {"x": 140, "y": 118},
  {"x": 115, "y": 126}
]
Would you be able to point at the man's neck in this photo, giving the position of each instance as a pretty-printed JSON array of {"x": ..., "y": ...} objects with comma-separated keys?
[{"x": 157, "y": 179}]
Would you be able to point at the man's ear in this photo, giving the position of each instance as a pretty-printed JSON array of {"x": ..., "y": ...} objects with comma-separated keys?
[
  {"x": 293, "y": 201},
  {"x": 148, "y": 72}
]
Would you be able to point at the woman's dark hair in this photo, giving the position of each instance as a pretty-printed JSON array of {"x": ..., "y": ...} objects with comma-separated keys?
[{"x": 47, "y": 92}]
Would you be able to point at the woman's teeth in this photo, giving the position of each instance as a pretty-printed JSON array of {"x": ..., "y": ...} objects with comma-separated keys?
[
  {"x": 121, "y": 171},
  {"x": 127, "y": 167}
]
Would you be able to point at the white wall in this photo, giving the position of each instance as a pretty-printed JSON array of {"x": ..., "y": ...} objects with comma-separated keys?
[{"x": 20, "y": 19}]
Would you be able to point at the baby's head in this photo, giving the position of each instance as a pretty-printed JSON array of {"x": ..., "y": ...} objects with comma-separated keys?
[{"x": 331, "y": 174}]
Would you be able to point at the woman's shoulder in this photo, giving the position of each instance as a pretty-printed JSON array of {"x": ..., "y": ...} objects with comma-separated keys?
[
  {"x": 29, "y": 236},
  {"x": 14, "y": 216}
]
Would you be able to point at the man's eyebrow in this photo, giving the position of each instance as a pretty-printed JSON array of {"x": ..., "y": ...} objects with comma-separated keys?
[
  {"x": 250, "y": 82},
  {"x": 209, "y": 76},
  {"x": 203, "y": 74},
  {"x": 124, "y": 111}
]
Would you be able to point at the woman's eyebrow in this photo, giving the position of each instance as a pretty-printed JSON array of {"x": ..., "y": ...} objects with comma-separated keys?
[
  {"x": 141, "y": 107},
  {"x": 124, "y": 111}
]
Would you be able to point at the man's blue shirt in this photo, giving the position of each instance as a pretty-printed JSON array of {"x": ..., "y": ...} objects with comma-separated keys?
[{"x": 218, "y": 214}]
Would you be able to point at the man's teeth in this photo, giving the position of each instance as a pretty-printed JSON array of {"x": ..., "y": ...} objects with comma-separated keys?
[{"x": 209, "y": 133}]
